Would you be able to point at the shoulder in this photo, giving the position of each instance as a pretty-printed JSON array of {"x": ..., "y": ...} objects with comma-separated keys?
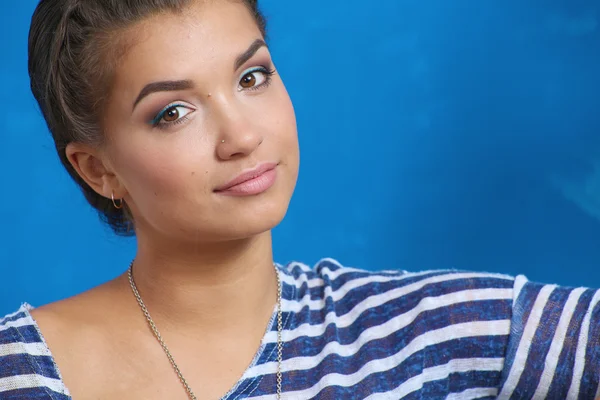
[
  {"x": 27, "y": 368},
  {"x": 82, "y": 317},
  {"x": 452, "y": 301},
  {"x": 51, "y": 342},
  {"x": 403, "y": 321},
  {"x": 340, "y": 281},
  {"x": 76, "y": 329}
]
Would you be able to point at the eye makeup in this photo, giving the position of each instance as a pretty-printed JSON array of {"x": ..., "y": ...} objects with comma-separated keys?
[
  {"x": 266, "y": 72},
  {"x": 181, "y": 117}
]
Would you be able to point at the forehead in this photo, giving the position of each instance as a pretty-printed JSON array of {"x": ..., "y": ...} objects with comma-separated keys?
[{"x": 204, "y": 37}]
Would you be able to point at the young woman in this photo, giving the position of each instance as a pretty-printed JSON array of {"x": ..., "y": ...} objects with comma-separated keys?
[{"x": 171, "y": 117}]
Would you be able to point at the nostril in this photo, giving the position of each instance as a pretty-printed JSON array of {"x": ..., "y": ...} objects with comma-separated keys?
[{"x": 237, "y": 154}]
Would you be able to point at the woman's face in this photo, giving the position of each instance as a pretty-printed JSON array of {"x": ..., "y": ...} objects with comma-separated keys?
[{"x": 195, "y": 102}]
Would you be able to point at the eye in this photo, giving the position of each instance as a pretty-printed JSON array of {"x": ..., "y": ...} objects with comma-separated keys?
[
  {"x": 172, "y": 114},
  {"x": 255, "y": 78}
]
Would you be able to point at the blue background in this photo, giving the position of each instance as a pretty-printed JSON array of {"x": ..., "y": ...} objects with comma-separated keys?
[{"x": 434, "y": 134}]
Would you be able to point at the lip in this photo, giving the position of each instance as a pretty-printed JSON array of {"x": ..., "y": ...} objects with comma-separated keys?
[{"x": 253, "y": 181}]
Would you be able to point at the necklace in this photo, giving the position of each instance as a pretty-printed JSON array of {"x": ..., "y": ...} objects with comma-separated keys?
[{"x": 168, "y": 353}]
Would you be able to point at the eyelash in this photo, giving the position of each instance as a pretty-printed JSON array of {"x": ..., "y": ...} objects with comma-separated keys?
[
  {"x": 156, "y": 121},
  {"x": 269, "y": 72}
]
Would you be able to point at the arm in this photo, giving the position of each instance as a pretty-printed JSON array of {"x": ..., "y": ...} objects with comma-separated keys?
[{"x": 553, "y": 349}]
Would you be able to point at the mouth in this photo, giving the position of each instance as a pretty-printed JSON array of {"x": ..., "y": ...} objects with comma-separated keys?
[{"x": 251, "y": 182}]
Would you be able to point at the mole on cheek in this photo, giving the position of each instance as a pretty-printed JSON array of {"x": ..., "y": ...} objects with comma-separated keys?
[{"x": 193, "y": 173}]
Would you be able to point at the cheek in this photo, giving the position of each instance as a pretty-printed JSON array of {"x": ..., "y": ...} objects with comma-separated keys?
[
  {"x": 167, "y": 171},
  {"x": 284, "y": 118},
  {"x": 289, "y": 136}
]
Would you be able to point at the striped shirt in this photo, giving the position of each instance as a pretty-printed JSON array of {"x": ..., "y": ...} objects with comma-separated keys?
[{"x": 357, "y": 334}]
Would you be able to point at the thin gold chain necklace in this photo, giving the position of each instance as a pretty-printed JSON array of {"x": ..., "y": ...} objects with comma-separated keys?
[{"x": 168, "y": 353}]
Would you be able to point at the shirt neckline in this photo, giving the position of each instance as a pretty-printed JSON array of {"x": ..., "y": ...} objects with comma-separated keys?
[
  {"x": 288, "y": 293},
  {"x": 26, "y": 308}
]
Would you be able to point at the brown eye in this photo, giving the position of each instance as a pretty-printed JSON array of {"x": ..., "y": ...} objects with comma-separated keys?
[
  {"x": 248, "y": 81},
  {"x": 172, "y": 114},
  {"x": 255, "y": 78}
]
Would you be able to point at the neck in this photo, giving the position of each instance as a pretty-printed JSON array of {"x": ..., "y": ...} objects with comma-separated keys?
[{"x": 216, "y": 288}]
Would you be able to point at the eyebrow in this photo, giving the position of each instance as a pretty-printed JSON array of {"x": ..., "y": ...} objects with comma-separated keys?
[
  {"x": 163, "y": 86},
  {"x": 245, "y": 56},
  {"x": 171, "y": 86}
]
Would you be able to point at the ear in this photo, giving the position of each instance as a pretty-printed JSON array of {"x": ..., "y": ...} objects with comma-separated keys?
[{"x": 94, "y": 168}]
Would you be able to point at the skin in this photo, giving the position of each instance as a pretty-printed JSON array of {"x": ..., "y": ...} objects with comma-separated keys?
[{"x": 204, "y": 260}]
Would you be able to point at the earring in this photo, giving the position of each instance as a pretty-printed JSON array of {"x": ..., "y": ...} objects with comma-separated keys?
[
  {"x": 223, "y": 141},
  {"x": 118, "y": 207}
]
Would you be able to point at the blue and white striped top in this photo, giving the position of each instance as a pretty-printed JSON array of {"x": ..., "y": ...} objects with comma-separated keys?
[{"x": 356, "y": 334}]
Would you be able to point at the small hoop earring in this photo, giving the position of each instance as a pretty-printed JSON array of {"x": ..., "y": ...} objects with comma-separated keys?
[{"x": 118, "y": 207}]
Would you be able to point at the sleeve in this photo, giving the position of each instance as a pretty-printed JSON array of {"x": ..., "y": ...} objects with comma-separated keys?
[{"x": 553, "y": 349}]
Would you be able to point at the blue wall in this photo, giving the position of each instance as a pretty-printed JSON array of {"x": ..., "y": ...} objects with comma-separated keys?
[{"x": 433, "y": 133}]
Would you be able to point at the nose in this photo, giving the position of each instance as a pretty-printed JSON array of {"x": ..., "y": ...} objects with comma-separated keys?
[{"x": 238, "y": 134}]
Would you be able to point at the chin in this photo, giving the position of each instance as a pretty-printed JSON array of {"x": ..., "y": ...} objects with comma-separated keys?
[
  {"x": 254, "y": 222},
  {"x": 245, "y": 217},
  {"x": 242, "y": 221}
]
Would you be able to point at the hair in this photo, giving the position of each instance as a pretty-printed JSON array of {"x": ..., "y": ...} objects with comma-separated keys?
[{"x": 74, "y": 46}]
